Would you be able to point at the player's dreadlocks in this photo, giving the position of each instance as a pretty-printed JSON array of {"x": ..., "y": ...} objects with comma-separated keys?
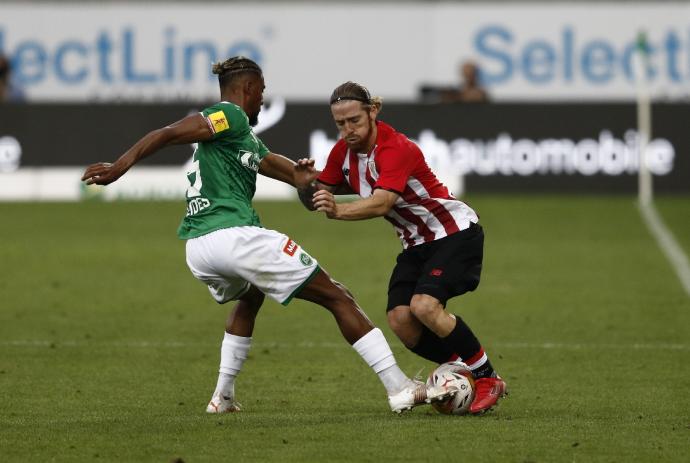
[
  {"x": 233, "y": 67},
  {"x": 354, "y": 91}
]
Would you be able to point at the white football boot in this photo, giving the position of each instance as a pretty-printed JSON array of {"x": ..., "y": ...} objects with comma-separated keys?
[
  {"x": 418, "y": 393},
  {"x": 223, "y": 404}
]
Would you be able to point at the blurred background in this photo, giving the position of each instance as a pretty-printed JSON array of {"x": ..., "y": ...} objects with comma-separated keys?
[
  {"x": 550, "y": 118},
  {"x": 504, "y": 96}
]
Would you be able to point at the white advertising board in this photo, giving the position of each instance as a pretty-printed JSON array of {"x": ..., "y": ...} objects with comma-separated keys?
[{"x": 531, "y": 51}]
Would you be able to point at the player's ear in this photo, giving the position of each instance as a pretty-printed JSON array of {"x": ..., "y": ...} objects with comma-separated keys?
[
  {"x": 247, "y": 85},
  {"x": 373, "y": 111},
  {"x": 253, "y": 85}
]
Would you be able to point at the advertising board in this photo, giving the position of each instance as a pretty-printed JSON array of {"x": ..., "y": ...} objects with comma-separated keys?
[
  {"x": 589, "y": 148},
  {"x": 526, "y": 51}
]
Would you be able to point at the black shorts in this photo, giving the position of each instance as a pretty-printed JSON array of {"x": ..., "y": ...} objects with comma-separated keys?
[{"x": 443, "y": 268}]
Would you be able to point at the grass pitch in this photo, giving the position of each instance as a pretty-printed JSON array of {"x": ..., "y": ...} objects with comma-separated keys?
[{"x": 109, "y": 347}]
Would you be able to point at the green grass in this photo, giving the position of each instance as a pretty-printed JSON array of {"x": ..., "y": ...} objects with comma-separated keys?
[{"x": 109, "y": 347}]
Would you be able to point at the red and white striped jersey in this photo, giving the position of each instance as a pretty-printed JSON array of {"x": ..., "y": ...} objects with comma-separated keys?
[{"x": 425, "y": 211}]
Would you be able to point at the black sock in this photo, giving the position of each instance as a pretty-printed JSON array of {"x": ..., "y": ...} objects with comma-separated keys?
[
  {"x": 484, "y": 371},
  {"x": 463, "y": 341},
  {"x": 431, "y": 347}
]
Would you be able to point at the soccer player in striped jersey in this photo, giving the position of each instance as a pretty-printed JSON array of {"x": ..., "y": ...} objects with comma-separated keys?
[
  {"x": 228, "y": 249},
  {"x": 441, "y": 236}
]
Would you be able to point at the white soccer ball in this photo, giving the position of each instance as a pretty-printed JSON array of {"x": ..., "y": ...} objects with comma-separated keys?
[{"x": 458, "y": 376}]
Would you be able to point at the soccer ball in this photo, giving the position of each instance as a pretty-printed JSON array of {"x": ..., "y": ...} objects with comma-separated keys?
[{"x": 458, "y": 376}]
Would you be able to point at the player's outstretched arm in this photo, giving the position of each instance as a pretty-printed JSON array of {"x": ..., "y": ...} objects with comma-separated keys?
[
  {"x": 298, "y": 174},
  {"x": 376, "y": 205},
  {"x": 301, "y": 174},
  {"x": 191, "y": 129}
]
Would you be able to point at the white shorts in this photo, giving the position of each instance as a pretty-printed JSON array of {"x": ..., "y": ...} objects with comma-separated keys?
[{"x": 230, "y": 259}]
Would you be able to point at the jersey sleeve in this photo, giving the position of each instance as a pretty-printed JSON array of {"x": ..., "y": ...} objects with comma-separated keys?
[
  {"x": 332, "y": 174},
  {"x": 395, "y": 165},
  {"x": 263, "y": 151},
  {"x": 224, "y": 120}
]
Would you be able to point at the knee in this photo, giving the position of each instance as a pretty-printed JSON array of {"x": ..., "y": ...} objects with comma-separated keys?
[
  {"x": 405, "y": 326},
  {"x": 425, "y": 308},
  {"x": 397, "y": 321}
]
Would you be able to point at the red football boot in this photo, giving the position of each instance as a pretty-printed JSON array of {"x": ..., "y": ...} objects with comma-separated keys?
[{"x": 487, "y": 391}]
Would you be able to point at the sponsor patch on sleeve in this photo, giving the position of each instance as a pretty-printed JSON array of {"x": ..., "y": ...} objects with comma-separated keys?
[{"x": 217, "y": 122}]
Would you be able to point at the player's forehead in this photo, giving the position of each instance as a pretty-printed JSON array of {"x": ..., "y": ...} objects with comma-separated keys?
[{"x": 347, "y": 109}]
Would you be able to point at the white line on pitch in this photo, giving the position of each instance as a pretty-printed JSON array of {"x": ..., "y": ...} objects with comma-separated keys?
[
  {"x": 330, "y": 345},
  {"x": 668, "y": 244}
]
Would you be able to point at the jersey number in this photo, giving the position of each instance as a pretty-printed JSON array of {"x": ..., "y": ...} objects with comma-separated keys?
[{"x": 194, "y": 177}]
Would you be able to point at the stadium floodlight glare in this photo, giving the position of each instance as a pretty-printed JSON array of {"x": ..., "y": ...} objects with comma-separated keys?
[{"x": 644, "y": 117}]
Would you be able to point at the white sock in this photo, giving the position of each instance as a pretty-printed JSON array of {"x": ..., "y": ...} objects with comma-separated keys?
[
  {"x": 225, "y": 385},
  {"x": 374, "y": 349},
  {"x": 233, "y": 353},
  {"x": 393, "y": 379}
]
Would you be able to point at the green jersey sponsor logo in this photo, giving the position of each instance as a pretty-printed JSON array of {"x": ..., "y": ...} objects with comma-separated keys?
[{"x": 250, "y": 160}]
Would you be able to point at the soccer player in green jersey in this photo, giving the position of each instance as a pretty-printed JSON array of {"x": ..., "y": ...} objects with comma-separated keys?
[{"x": 229, "y": 250}]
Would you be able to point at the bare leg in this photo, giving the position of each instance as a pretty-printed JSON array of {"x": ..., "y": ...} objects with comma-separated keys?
[
  {"x": 432, "y": 314},
  {"x": 328, "y": 293},
  {"x": 367, "y": 340},
  {"x": 417, "y": 337},
  {"x": 405, "y": 325},
  {"x": 241, "y": 319}
]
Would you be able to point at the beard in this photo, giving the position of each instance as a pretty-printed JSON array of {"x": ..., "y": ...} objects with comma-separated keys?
[
  {"x": 360, "y": 145},
  {"x": 357, "y": 146},
  {"x": 253, "y": 119}
]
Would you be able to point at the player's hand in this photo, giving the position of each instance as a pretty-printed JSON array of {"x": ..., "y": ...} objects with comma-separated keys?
[
  {"x": 305, "y": 163},
  {"x": 102, "y": 173},
  {"x": 324, "y": 201},
  {"x": 304, "y": 173}
]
